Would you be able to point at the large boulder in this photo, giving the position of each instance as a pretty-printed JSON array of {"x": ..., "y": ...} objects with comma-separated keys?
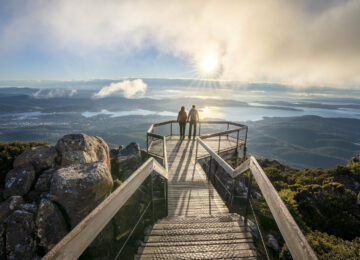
[
  {"x": 9, "y": 205},
  {"x": 20, "y": 240},
  {"x": 2, "y": 242},
  {"x": 81, "y": 148},
  {"x": 79, "y": 188},
  {"x": 41, "y": 157},
  {"x": 51, "y": 225},
  {"x": 44, "y": 181},
  {"x": 273, "y": 243},
  {"x": 18, "y": 181},
  {"x": 131, "y": 151}
]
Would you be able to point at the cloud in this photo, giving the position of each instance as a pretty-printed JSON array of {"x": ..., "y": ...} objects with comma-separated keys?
[
  {"x": 301, "y": 42},
  {"x": 54, "y": 93},
  {"x": 130, "y": 88}
]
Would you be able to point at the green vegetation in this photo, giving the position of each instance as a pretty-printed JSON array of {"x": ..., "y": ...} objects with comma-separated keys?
[
  {"x": 324, "y": 203},
  {"x": 9, "y": 151}
]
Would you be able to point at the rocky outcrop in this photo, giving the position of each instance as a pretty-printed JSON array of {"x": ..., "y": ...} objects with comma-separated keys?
[
  {"x": 44, "y": 181},
  {"x": 272, "y": 243},
  {"x": 79, "y": 188},
  {"x": 8, "y": 206},
  {"x": 49, "y": 191},
  {"x": 353, "y": 160},
  {"x": 19, "y": 180},
  {"x": 20, "y": 235},
  {"x": 81, "y": 148},
  {"x": 50, "y": 223},
  {"x": 131, "y": 152},
  {"x": 41, "y": 157}
]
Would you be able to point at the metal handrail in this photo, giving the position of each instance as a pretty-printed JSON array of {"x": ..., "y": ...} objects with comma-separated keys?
[
  {"x": 240, "y": 127},
  {"x": 78, "y": 239},
  {"x": 294, "y": 238}
]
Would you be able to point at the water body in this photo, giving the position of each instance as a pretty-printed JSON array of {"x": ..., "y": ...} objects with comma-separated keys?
[{"x": 137, "y": 112}]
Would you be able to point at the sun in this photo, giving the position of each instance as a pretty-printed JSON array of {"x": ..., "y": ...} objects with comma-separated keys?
[{"x": 208, "y": 62}]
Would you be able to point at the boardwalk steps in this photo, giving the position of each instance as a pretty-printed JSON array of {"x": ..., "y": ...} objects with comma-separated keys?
[
  {"x": 212, "y": 237},
  {"x": 199, "y": 225}
]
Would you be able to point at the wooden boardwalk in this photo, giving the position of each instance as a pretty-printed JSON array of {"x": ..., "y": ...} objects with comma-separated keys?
[{"x": 199, "y": 225}]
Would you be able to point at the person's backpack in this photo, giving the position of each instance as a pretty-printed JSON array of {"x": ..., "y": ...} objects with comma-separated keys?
[{"x": 182, "y": 117}]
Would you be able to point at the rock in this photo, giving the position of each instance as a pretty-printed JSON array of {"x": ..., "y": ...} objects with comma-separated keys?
[
  {"x": 131, "y": 151},
  {"x": 81, "y": 148},
  {"x": 41, "y": 157},
  {"x": 33, "y": 196},
  {"x": 79, "y": 188},
  {"x": 18, "y": 181},
  {"x": 256, "y": 195},
  {"x": 272, "y": 243},
  {"x": 353, "y": 160},
  {"x": 30, "y": 207},
  {"x": 9, "y": 205},
  {"x": 2, "y": 242},
  {"x": 44, "y": 180},
  {"x": 51, "y": 226},
  {"x": 113, "y": 153},
  {"x": 253, "y": 229},
  {"x": 20, "y": 242}
]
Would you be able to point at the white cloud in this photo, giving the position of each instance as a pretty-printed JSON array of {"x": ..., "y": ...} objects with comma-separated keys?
[
  {"x": 130, "y": 88},
  {"x": 299, "y": 42},
  {"x": 54, "y": 93}
]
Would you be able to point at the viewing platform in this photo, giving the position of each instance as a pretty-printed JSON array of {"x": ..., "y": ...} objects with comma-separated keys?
[{"x": 197, "y": 222}]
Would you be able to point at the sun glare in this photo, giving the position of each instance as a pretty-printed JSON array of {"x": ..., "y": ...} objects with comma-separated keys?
[{"x": 208, "y": 62}]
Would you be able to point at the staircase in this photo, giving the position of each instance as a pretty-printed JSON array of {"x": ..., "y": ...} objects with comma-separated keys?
[
  {"x": 213, "y": 237},
  {"x": 199, "y": 225}
]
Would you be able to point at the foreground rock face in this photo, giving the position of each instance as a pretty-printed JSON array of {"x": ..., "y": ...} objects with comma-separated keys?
[
  {"x": 79, "y": 188},
  {"x": 49, "y": 191},
  {"x": 51, "y": 225},
  {"x": 20, "y": 240},
  {"x": 81, "y": 148},
  {"x": 41, "y": 157},
  {"x": 19, "y": 180}
]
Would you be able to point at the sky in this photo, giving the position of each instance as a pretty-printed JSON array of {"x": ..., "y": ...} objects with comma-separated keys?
[{"x": 301, "y": 43}]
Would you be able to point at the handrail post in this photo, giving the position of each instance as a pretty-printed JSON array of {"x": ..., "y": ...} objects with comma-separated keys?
[
  {"x": 219, "y": 145},
  {"x": 152, "y": 200},
  {"x": 166, "y": 198},
  {"x": 147, "y": 143},
  {"x": 227, "y": 129},
  {"x": 208, "y": 175},
  {"x": 197, "y": 147},
  {"x": 232, "y": 195},
  {"x": 199, "y": 128},
  {"x": 248, "y": 197},
  {"x": 171, "y": 129}
]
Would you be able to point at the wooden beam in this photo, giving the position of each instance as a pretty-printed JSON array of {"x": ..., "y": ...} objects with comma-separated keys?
[
  {"x": 294, "y": 238},
  {"x": 216, "y": 157},
  {"x": 241, "y": 168},
  {"x": 165, "y": 154},
  {"x": 75, "y": 242}
]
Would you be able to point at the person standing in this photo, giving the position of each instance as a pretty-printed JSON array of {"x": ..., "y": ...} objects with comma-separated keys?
[
  {"x": 182, "y": 116},
  {"x": 193, "y": 119}
]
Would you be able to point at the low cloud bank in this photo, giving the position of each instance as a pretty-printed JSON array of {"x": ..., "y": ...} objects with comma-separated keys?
[
  {"x": 129, "y": 88},
  {"x": 54, "y": 93}
]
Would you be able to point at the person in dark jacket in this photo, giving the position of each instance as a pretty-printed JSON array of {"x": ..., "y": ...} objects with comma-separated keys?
[
  {"x": 182, "y": 117},
  {"x": 193, "y": 119}
]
